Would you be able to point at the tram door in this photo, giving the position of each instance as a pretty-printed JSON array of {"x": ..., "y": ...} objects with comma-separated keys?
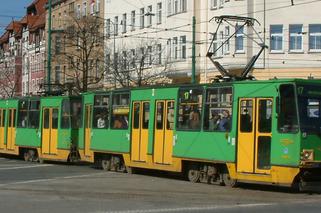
[
  {"x": 88, "y": 109},
  {"x": 11, "y": 130},
  {"x": 50, "y": 131},
  {"x": 163, "y": 136},
  {"x": 254, "y": 135},
  {"x": 2, "y": 126},
  {"x": 139, "y": 137}
]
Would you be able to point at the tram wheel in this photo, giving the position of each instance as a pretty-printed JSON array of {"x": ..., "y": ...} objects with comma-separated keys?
[
  {"x": 27, "y": 156},
  {"x": 228, "y": 181},
  {"x": 106, "y": 164},
  {"x": 193, "y": 173}
]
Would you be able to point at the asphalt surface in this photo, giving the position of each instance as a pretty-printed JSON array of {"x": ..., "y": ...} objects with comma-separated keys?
[{"x": 56, "y": 187}]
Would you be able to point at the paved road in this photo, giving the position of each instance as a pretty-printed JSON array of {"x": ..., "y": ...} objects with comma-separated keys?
[{"x": 31, "y": 187}]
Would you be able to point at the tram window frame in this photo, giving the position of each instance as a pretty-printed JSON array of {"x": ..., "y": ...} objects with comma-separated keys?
[
  {"x": 71, "y": 114},
  {"x": 188, "y": 119},
  {"x": 282, "y": 114},
  {"x": 120, "y": 111},
  {"x": 34, "y": 114},
  {"x": 65, "y": 122},
  {"x": 2, "y": 117},
  {"x": 23, "y": 108},
  {"x": 146, "y": 115},
  {"x": 98, "y": 108},
  {"x": 221, "y": 106}
]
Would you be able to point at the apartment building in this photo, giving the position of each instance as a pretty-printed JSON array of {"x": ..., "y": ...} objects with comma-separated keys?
[
  {"x": 291, "y": 32},
  {"x": 33, "y": 48},
  {"x": 10, "y": 60},
  {"x": 76, "y": 46},
  {"x": 152, "y": 36}
]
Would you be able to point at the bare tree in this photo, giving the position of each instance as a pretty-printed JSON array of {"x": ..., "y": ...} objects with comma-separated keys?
[
  {"x": 144, "y": 64},
  {"x": 9, "y": 79},
  {"x": 81, "y": 47}
]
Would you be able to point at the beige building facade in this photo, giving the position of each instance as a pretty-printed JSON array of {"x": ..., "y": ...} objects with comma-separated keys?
[{"x": 291, "y": 32}]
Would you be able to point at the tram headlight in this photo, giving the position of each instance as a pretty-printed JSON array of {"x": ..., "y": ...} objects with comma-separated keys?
[{"x": 307, "y": 155}]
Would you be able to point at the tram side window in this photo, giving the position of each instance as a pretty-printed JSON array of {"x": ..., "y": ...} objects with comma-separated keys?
[
  {"x": 65, "y": 114},
  {"x": 287, "y": 118},
  {"x": 23, "y": 113},
  {"x": 101, "y": 112},
  {"x": 218, "y": 109},
  {"x": 34, "y": 113},
  {"x": 190, "y": 109},
  {"x": 120, "y": 111},
  {"x": 76, "y": 112}
]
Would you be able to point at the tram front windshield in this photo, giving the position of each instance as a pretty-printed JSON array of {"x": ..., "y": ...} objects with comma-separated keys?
[{"x": 309, "y": 103}]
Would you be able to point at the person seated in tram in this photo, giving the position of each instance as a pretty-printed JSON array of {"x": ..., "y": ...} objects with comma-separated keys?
[
  {"x": 214, "y": 121},
  {"x": 225, "y": 123},
  {"x": 194, "y": 118},
  {"x": 101, "y": 121}
]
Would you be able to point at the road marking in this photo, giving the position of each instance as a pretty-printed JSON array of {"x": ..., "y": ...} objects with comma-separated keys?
[
  {"x": 25, "y": 167},
  {"x": 51, "y": 179},
  {"x": 193, "y": 209}
]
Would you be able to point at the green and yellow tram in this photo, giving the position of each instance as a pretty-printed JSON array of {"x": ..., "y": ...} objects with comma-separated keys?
[
  {"x": 242, "y": 131},
  {"x": 43, "y": 128}
]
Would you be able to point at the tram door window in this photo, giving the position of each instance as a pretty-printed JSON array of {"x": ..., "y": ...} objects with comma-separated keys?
[
  {"x": 254, "y": 135},
  {"x": 88, "y": 108},
  {"x": 11, "y": 131},
  {"x": 50, "y": 131},
  {"x": 163, "y": 136},
  {"x": 139, "y": 137},
  {"x": 2, "y": 126}
]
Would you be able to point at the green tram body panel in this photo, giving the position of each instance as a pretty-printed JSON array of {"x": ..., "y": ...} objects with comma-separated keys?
[
  {"x": 7, "y": 104},
  {"x": 66, "y": 136},
  {"x": 28, "y": 137},
  {"x": 106, "y": 139}
]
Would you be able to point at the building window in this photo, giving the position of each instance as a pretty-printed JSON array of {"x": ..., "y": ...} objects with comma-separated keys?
[
  {"x": 150, "y": 55},
  {"x": 221, "y": 3},
  {"x": 116, "y": 25},
  {"x": 315, "y": 37},
  {"x": 92, "y": 7},
  {"x": 169, "y": 7},
  {"x": 175, "y": 6},
  {"x": 124, "y": 23},
  {"x": 133, "y": 20},
  {"x": 227, "y": 43},
  {"x": 276, "y": 37},
  {"x": 183, "y": 47},
  {"x": 159, "y": 52},
  {"x": 97, "y": 5},
  {"x": 159, "y": 13},
  {"x": 149, "y": 15},
  {"x": 295, "y": 43},
  {"x": 84, "y": 8},
  {"x": 142, "y": 18},
  {"x": 175, "y": 48},
  {"x": 183, "y": 6},
  {"x": 239, "y": 40},
  {"x": 108, "y": 28},
  {"x": 57, "y": 75},
  {"x": 214, "y": 4},
  {"x": 78, "y": 11}
]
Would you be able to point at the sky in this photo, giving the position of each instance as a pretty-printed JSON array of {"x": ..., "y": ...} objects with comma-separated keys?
[{"x": 11, "y": 9}]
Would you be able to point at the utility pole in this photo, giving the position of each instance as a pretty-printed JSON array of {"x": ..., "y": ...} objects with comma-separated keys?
[
  {"x": 49, "y": 47},
  {"x": 193, "y": 52}
]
